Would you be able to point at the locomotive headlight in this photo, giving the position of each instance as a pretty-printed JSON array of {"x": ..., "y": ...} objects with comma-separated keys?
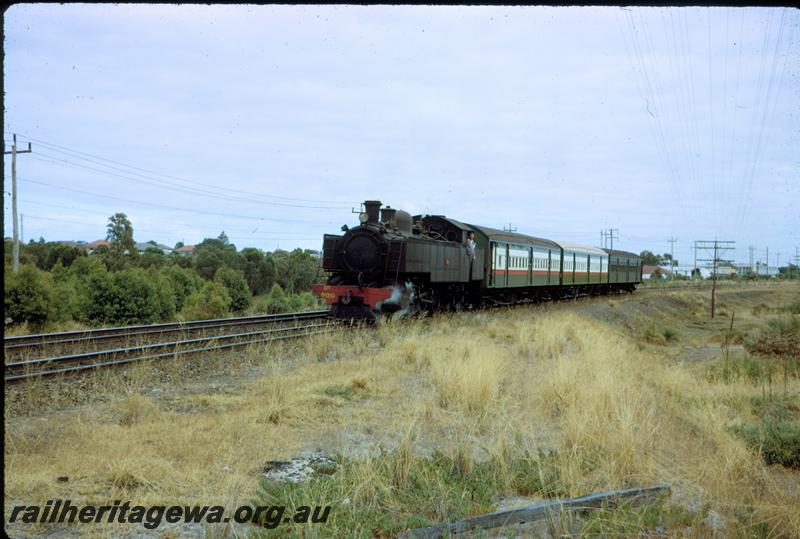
[{"x": 362, "y": 217}]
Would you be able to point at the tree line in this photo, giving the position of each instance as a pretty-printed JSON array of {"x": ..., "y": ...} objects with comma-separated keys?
[{"x": 116, "y": 285}]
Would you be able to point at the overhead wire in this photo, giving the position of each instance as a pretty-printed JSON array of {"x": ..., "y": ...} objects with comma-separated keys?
[
  {"x": 72, "y": 221},
  {"x": 730, "y": 175},
  {"x": 79, "y": 153},
  {"x": 171, "y": 222},
  {"x": 711, "y": 125},
  {"x": 665, "y": 117},
  {"x": 698, "y": 192},
  {"x": 45, "y": 157},
  {"x": 661, "y": 138},
  {"x": 751, "y": 131},
  {"x": 765, "y": 113},
  {"x": 176, "y": 208},
  {"x": 683, "y": 113},
  {"x": 723, "y": 155}
]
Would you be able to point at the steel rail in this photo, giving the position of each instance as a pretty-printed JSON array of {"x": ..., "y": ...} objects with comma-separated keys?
[
  {"x": 13, "y": 369},
  {"x": 98, "y": 334}
]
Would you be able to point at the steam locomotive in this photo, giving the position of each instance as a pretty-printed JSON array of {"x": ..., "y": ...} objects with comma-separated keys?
[{"x": 396, "y": 264}]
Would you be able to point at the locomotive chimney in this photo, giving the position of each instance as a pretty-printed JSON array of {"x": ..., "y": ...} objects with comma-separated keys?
[
  {"x": 387, "y": 215},
  {"x": 372, "y": 208}
]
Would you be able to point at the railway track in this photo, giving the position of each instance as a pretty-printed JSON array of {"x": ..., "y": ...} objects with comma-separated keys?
[
  {"x": 135, "y": 343},
  {"x": 22, "y": 342},
  {"x": 137, "y": 348}
]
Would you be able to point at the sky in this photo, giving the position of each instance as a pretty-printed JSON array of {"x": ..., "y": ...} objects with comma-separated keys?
[{"x": 273, "y": 123}]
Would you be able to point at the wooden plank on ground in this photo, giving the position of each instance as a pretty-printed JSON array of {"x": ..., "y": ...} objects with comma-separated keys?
[{"x": 541, "y": 510}]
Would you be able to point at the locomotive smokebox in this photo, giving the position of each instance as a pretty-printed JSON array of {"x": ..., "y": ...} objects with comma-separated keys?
[{"x": 372, "y": 209}]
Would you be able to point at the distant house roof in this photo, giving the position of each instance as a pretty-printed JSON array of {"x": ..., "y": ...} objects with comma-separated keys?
[
  {"x": 97, "y": 243},
  {"x": 186, "y": 249},
  {"x": 647, "y": 270}
]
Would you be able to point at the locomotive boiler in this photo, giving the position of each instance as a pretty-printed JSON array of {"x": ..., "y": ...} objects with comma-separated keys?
[{"x": 395, "y": 263}]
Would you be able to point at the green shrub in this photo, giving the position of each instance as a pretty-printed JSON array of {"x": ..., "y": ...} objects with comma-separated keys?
[
  {"x": 183, "y": 282},
  {"x": 236, "y": 285},
  {"x": 777, "y": 441},
  {"x": 258, "y": 270},
  {"x": 211, "y": 301},
  {"x": 66, "y": 303},
  {"x": 670, "y": 334},
  {"x": 164, "y": 293},
  {"x": 296, "y": 303},
  {"x": 86, "y": 265},
  {"x": 310, "y": 302},
  {"x": 126, "y": 297},
  {"x": 28, "y": 296},
  {"x": 277, "y": 302},
  {"x": 152, "y": 258},
  {"x": 776, "y": 435}
]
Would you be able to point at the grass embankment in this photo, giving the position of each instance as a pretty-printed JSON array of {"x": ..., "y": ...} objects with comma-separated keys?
[{"x": 436, "y": 419}]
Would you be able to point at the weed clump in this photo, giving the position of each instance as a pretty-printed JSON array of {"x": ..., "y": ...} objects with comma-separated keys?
[
  {"x": 780, "y": 338},
  {"x": 776, "y": 436},
  {"x": 669, "y": 334},
  {"x": 355, "y": 389}
]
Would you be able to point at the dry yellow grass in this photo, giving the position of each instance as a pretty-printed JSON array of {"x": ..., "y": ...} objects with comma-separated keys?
[{"x": 472, "y": 385}]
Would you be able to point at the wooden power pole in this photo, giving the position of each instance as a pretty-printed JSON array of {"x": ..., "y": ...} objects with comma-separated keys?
[
  {"x": 672, "y": 258},
  {"x": 715, "y": 248},
  {"x": 14, "y": 152}
]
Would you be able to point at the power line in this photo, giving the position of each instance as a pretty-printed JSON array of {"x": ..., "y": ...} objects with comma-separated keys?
[
  {"x": 172, "y": 186},
  {"x": 754, "y": 162},
  {"x": 78, "y": 154},
  {"x": 176, "y": 208},
  {"x": 102, "y": 225},
  {"x": 161, "y": 229}
]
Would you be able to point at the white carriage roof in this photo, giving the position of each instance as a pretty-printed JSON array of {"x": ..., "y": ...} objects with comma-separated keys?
[{"x": 581, "y": 248}]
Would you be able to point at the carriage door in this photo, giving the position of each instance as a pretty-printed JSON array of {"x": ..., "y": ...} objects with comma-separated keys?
[
  {"x": 531, "y": 260},
  {"x": 574, "y": 260},
  {"x": 505, "y": 263},
  {"x": 493, "y": 263}
]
